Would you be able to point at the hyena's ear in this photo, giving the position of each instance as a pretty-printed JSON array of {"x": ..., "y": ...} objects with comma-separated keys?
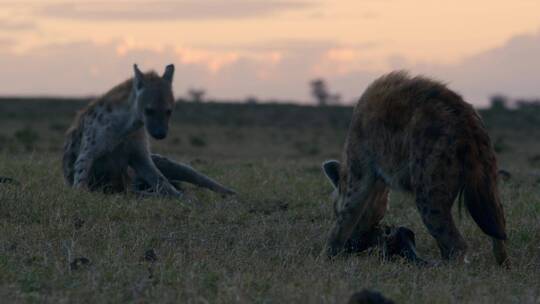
[
  {"x": 331, "y": 170},
  {"x": 137, "y": 78},
  {"x": 169, "y": 73}
]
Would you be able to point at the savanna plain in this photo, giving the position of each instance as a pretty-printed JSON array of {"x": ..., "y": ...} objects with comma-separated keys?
[{"x": 58, "y": 245}]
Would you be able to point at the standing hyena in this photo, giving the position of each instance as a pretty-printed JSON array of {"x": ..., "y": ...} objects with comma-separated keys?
[
  {"x": 107, "y": 145},
  {"x": 416, "y": 135}
]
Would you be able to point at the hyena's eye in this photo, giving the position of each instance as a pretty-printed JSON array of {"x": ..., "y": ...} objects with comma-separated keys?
[{"x": 149, "y": 112}]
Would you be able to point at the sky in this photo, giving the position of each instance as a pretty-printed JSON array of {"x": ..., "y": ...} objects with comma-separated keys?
[{"x": 270, "y": 49}]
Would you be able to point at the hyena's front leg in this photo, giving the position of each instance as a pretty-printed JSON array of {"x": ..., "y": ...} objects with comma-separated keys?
[
  {"x": 351, "y": 206},
  {"x": 367, "y": 232},
  {"x": 174, "y": 171},
  {"x": 145, "y": 169}
]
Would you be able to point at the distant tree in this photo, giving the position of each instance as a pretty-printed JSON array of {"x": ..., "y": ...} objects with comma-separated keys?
[
  {"x": 196, "y": 95},
  {"x": 252, "y": 100},
  {"x": 498, "y": 102},
  {"x": 528, "y": 104},
  {"x": 322, "y": 95},
  {"x": 319, "y": 90}
]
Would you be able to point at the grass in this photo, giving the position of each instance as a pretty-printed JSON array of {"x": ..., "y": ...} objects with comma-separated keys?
[{"x": 263, "y": 245}]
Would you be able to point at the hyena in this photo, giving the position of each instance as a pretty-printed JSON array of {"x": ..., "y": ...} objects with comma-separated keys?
[
  {"x": 107, "y": 145},
  {"x": 415, "y": 134}
]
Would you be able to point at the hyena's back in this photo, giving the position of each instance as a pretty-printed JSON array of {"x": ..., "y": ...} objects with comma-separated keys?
[
  {"x": 72, "y": 145},
  {"x": 405, "y": 127}
]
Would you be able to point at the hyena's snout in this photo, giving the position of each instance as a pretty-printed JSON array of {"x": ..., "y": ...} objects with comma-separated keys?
[
  {"x": 159, "y": 133},
  {"x": 157, "y": 130}
]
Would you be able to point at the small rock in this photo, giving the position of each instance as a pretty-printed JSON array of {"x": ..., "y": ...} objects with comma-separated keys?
[
  {"x": 150, "y": 256},
  {"x": 505, "y": 175},
  {"x": 401, "y": 241},
  {"x": 369, "y": 297},
  {"x": 283, "y": 206},
  {"x": 535, "y": 159},
  {"x": 78, "y": 223},
  {"x": 8, "y": 180},
  {"x": 33, "y": 260},
  {"x": 78, "y": 263}
]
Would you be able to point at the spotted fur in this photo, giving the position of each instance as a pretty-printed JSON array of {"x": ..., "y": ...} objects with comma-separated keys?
[
  {"x": 416, "y": 135},
  {"x": 107, "y": 147}
]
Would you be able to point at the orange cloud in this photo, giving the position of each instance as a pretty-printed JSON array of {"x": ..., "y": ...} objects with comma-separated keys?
[
  {"x": 272, "y": 71},
  {"x": 167, "y": 10},
  {"x": 130, "y": 44},
  {"x": 214, "y": 61}
]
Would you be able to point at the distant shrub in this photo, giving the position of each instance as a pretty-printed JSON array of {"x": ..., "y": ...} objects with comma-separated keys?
[
  {"x": 197, "y": 141},
  {"x": 58, "y": 126},
  {"x": 176, "y": 141},
  {"x": 252, "y": 100},
  {"x": 196, "y": 95},
  {"x": 500, "y": 145},
  {"x": 528, "y": 105},
  {"x": 308, "y": 148},
  {"x": 4, "y": 140},
  {"x": 27, "y": 137},
  {"x": 498, "y": 102},
  {"x": 534, "y": 160}
]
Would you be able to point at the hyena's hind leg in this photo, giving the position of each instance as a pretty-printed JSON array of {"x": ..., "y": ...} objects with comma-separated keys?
[
  {"x": 436, "y": 191},
  {"x": 437, "y": 217},
  {"x": 174, "y": 171}
]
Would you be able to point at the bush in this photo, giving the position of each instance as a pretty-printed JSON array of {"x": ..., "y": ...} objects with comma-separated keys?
[
  {"x": 27, "y": 136},
  {"x": 197, "y": 141}
]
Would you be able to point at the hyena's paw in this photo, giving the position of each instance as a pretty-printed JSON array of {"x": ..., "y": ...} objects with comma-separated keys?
[
  {"x": 229, "y": 192},
  {"x": 226, "y": 192},
  {"x": 173, "y": 193},
  {"x": 81, "y": 185}
]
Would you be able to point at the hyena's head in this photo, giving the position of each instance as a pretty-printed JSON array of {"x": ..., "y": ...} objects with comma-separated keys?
[
  {"x": 331, "y": 169},
  {"x": 154, "y": 99}
]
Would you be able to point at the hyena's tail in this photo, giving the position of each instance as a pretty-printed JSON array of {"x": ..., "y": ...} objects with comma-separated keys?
[{"x": 480, "y": 190}]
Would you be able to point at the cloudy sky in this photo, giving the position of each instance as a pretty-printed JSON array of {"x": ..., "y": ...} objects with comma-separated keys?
[{"x": 270, "y": 48}]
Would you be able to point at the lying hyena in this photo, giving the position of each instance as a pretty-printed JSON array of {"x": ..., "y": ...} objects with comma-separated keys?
[
  {"x": 416, "y": 135},
  {"x": 107, "y": 146}
]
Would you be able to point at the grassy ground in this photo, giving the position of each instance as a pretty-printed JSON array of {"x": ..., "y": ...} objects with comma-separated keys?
[{"x": 59, "y": 245}]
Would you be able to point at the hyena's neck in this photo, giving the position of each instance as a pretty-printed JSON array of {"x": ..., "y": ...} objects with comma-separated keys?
[{"x": 133, "y": 116}]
